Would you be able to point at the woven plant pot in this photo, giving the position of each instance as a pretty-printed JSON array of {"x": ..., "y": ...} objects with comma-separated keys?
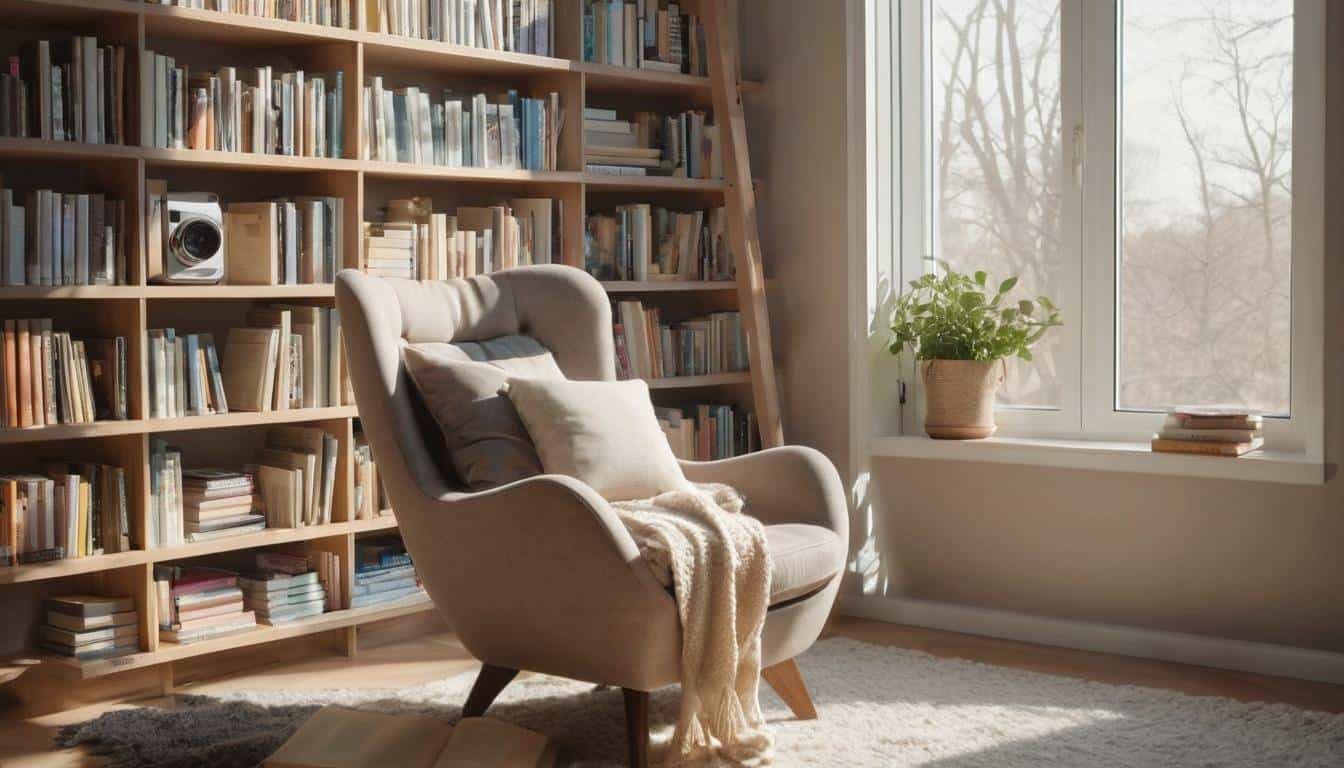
[{"x": 960, "y": 397}]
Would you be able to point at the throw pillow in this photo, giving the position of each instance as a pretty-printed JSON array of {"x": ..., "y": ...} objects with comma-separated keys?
[
  {"x": 604, "y": 433},
  {"x": 485, "y": 444}
]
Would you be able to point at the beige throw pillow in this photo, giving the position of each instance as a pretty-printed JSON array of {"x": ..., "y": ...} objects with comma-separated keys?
[
  {"x": 485, "y": 443},
  {"x": 602, "y": 432}
]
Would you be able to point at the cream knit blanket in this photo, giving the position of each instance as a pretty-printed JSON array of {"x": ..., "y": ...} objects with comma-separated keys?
[{"x": 720, "y": 571}]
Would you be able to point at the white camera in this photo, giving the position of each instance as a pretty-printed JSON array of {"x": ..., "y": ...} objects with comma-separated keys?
[{"x": 193, "y": 238}]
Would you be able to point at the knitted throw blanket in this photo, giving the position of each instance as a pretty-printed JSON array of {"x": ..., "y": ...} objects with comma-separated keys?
[{"x": 720, "y": 571}]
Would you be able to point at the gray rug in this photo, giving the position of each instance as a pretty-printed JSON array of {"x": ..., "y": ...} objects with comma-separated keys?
[{"x": 878, "y": 706}]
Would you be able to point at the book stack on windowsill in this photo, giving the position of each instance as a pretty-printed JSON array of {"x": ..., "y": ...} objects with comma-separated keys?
[
  {"x": 89, "y": 627},
  {"x": 217, "y": 503},
  {"x": 1210, "y": 431},
  {"x": 199, "y": 604},
  {"x": 383, "y": 572}
]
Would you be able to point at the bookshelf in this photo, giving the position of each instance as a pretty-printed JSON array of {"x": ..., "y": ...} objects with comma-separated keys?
[{"x": 128, "y": 310}]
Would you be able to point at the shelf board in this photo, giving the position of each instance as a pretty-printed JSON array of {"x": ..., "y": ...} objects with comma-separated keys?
[
  {"x": 660, "y": 286},
  {"x": 71, "y": 292},
  {"x": 205, "y": 158},
  {"x": 29, "y": 149},
  {"x": 386, "y": 170},
  {"x": 139, "y": 426},
  {"x": 653, "y": 183},
  {"x": 264, "y": 538},
  {"x": 63, "y": 11},
  {"x": 235, "y": 28},
  {"x": 168, "y": 652},
  {"x": 55, "y": 569},
  {"x": 383, "y": 50},
  {"x": 308, "y": 291},
  {"x": 710, "y": 380}
]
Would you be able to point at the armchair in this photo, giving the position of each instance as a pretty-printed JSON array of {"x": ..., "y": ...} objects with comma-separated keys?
[{"x": 540, "y": 574}]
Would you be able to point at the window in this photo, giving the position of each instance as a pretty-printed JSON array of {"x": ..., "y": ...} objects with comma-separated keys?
[{"x": 1134, "y": 161}]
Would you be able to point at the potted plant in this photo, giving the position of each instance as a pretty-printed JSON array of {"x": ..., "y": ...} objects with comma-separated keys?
[{"x": 962, "y": 331}]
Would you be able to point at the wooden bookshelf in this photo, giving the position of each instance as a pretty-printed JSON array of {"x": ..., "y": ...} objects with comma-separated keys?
[{"x": 365, "y": 185}]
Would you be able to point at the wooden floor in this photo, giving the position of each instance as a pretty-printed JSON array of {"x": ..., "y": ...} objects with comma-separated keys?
[{"x": 28, "y": 743}]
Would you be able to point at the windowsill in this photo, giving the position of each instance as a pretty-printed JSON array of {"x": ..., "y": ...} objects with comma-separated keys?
[{"x": 1257, "y": 466}]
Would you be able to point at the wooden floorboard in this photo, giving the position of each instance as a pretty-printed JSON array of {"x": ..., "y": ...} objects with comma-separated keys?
[{"x": 27, "y": 743}]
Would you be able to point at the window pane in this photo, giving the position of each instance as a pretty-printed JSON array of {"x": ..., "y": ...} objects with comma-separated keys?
[
  {"x": 1206, "y": 208},
  {"x": 996, "y": 170}
]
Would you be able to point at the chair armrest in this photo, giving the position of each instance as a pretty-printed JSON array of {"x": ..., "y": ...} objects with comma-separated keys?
[
  {"x": 539, "y": 574},
  {"x": 790, "y": 484}
]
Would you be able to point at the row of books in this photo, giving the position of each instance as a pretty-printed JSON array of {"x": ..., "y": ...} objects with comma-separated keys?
[
  {"x": 647, "y": 34},
  {"x": 240, "y": 109},
  {"x": 281, "y": 241},
  {"x": 69, "y": 510},
  {"x": 708, "y": 432},
  {"x": 1210, "y": 431},
  {"x": 370, "y": 497},
  {"x": 383, "y": 572},
  {"x": 648, "y": 242},
  {"x": 65, "y": 90},
  {"x": 49, "y": 377},
  {"x": 646, "y": 348},
  {"x": 62, "y": 239},
  {"x": 417, "y": 243},
  {"x": 88, "y": 627},
  {"x": 508, "y": 131},
  {"x": 296, "y": 476},
  {"x": 217, "y": 504},
  {"x": 288, "y": 356},
  {"x": 521, "y": 26},
  {"x": 684, "y": 144},
  {"x": 183, "y": 374},
  {"x": 331, "y": 13}
]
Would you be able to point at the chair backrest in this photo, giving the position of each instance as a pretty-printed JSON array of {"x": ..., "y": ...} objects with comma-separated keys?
[{"x": 506, "y": 314}]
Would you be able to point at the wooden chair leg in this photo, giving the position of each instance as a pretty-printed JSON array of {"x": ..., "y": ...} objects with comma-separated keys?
[
  {"x": 787, "y": 681},
  {"x": 637, "y": 726},
  {"x": 488, "y": 684}
]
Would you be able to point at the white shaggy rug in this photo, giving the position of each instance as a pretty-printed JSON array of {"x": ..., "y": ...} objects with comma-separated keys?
[{"x": 878, "y": 706}]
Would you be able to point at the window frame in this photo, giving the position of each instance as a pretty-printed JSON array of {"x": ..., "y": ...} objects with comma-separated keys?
[{"x": 1090, "y": 52}]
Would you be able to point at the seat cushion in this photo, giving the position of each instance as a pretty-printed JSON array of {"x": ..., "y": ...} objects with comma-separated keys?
[{"x": 805, "y": 557}]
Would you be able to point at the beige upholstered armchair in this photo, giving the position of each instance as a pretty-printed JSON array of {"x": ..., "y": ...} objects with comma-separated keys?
[{"x": 540, "y": 574}]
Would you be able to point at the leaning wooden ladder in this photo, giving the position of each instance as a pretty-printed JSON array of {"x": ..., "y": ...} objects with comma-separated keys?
[{"x": 720, "y": 19}]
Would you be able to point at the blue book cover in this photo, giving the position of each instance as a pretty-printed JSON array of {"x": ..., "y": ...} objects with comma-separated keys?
[
  {"x": 337, "y": 125},
  {"x": 403, "y": 128}
]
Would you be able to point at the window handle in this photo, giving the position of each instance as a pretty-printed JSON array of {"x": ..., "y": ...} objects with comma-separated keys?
[{"x": 1078, "y": 150}]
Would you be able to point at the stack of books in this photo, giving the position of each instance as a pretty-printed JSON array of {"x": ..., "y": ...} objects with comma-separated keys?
[
  {"x": 507, "y": 131},
  {"x": 184, "y": 375},
  {"x": 240, "y": 109},
  {"x": 218, "y": 503},
  {"x": 648, "y": 34},
  {"x": 296, "y": 476},
  {"x": 281, "y": 597},
  {"x": 416, "y": 243},
  {"x": 89, "y": 627},
  {"x": 521, "y": 26},
  {"x": 62, "y": 239},
  {"x": 1210, "y": 431},
  {"x": 65, "y": 90},
  {"x": 383, "y": 572},
  {"x": 648, "y": 242},
  {"x": 646, "y": 348},
  {"x": 287, "y": 357},
  {"x": 684, "y": 144},
  {"x": 331, "y": 13},
  {"x": 52, "y": 378},
  {"x": 199, "y": 604},
  {"x": 708, "y": 432},
  {"x": 72, "y": 510}
]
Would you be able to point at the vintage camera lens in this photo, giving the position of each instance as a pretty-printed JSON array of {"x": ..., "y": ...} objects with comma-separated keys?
[{"x": 197, "y": 240}]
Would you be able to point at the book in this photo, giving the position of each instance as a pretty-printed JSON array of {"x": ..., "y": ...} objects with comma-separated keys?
[
  {"x": 336, "y": 737},
  {"x": 251, "y": 357},
  {"x": 1205, "y": 447},
  {"x": 89, "y": 606},
  {"x": 75, "y": 623}
]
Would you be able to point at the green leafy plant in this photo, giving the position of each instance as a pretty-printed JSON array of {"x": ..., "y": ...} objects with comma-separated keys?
[{"x": 953, "y": 316}]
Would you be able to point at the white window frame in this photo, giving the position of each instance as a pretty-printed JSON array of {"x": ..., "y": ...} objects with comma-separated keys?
[{"x": 1089, "y": 52}]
